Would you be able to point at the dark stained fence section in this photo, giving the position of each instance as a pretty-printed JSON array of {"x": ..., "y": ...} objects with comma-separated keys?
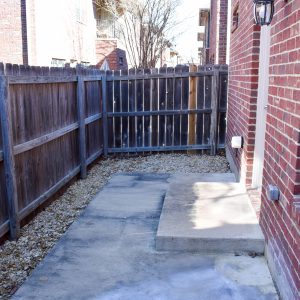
[
  {"x": 57, "y": 121},
  {"x": 167, "y": 110}
]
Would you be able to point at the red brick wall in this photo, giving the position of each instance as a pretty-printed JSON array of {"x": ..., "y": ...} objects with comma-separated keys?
[
  {"x": 281, "y": 221},
  {"x": 11, "y": 49},
  {"x": 242, "y": 89},
  {"x": 213, "y": 31},
  {"x": 31, "y": 31},
  {"x": 107, "y": 49},
  {"x": 218, "y": 32},
  {"x": 223, "y": 32}
]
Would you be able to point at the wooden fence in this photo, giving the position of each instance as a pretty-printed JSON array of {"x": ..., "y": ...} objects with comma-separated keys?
[
  {"x": 173, "y": 109},
  {"x": 55, "y": 122}
]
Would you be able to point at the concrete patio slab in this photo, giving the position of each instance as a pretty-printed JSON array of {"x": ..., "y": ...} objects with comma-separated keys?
[
  {"x": 208, "y": 213},
  {"x": 109, "y": 253}
]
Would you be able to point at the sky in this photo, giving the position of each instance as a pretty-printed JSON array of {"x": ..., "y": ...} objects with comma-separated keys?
[{"x": 186, "y": 42}]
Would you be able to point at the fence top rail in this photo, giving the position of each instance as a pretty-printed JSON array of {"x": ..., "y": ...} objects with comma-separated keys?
[
  {"x": 23, "y": 74},
  {"x": 14, "y": 69},
  {"x": 159, "y": 75},
  {"x": 24, "y": 79}
]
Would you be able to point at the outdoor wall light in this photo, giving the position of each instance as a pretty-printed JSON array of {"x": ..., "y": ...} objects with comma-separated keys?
[{"x": 263, "y": 11}]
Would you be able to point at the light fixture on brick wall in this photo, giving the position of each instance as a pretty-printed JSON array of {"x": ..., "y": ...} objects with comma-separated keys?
[{"x": 263, "y": 11}]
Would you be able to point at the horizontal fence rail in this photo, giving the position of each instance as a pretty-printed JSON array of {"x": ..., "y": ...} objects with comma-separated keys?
[{"x": 57, "y": 121}]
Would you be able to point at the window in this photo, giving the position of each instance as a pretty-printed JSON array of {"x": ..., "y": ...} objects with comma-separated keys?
[
  {"x": 235, "y": 19},
  {"x": 58, "y": 62},
  {"x": 201, "y": 36},
  {"x": 80, "y": 11},
  {"x": 121, "y": 61},
  {"x": 203, "y": 17},
  {"x": 73, "y": 63},
  {"x": 85, "y": 63}
]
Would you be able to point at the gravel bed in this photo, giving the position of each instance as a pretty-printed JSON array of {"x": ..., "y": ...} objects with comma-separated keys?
[{"x": 18, "y": 259}]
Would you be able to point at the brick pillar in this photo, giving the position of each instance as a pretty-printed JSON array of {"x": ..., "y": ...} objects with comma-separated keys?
[
  {"x": 10, "y": 32},
  {"x": 242, "y": 89},
  {"x": 281, "y": 220},
  {"x": 218, "y": 32}
]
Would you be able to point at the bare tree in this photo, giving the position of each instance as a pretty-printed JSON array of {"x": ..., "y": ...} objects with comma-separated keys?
[{"x": 144, "y": 27}]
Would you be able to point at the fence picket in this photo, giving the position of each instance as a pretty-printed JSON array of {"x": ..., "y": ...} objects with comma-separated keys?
[
  {"x": 110, "y": 108},
  {"x": 104, "y": 113},
  {"x": 147, "y": 99},
  {"x": 81, "y": 121},
  {"x": 154, "y": 107},
  {"x": 184, "y": 105},
  {"x": 170, "y": 107},
  {"x": 200, "y": 105},
  {"x": 162, "y": 106},
  {"x": 132, "y": 97},
  {"x": 214, "y": 113},
  {"x": 177, "y": 106},
  {"x": 125, "y": 108},
  {"x": 192, "y": 105},
  {"x": 9, "y": 160}
]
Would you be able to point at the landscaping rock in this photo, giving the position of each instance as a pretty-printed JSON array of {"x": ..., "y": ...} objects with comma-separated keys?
[{"x": 18, "y": 259}]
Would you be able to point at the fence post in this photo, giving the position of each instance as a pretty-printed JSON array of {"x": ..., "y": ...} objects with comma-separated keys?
[
  {"x": 192, "y": 105},
  {"x": 9, "y": 160},
  {"x": 104, "y": 115},
  {"x": 214, "y": 108},
  {"x": 81, "y": 121}
]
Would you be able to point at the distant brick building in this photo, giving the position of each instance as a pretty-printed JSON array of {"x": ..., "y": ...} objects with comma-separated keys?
[
  {"x": 214, "y": 38},
  {"x": 11, "y": 40},
  {"x": 218, "y": 32},
  {"x": 56, "y": 33},
  {"x": 264, "y": 108},
  {"x": 109, "y": 54},
  {"x": 47, "y": 33}
]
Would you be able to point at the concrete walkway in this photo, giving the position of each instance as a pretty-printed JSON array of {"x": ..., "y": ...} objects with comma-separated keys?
[{"x": 109, "y": 253}]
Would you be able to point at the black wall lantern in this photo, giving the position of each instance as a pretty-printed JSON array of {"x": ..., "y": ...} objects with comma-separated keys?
[{"x": 263, "y": 11}]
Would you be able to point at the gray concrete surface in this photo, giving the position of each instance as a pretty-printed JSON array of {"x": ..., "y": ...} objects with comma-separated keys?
[
  {"x": 208, "y": 213},
  {"x": 109, "y": 253}
]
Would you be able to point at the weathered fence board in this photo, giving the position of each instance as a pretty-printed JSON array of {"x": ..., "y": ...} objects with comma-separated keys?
[
  {"x": 154, "y": 107},
  {"x": 4, "y": 217},
  {"x": 177, "y": 106},
  {"x": 132, "y": 108},
  {"x": 184, "y": 105},
  {"x": 147, "y": 101},
  {"x": 9, "y": 159},
  {"x": 125, "y": 108},
  {"x": 55, "y": 122}
]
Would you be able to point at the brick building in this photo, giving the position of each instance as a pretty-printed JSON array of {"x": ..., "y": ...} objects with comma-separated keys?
[
  {"x": 47, "y": 33},
  {"x": 109, "y": 52},
  {"x": 218, "y": 32},
  {"x": 264, "y": 108},
  {"x": 215, "y": 36},
  {"x": 10, "y": 31},
  {"x": 109, "y": 55},
  {"x": 56, "y": 33}
]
